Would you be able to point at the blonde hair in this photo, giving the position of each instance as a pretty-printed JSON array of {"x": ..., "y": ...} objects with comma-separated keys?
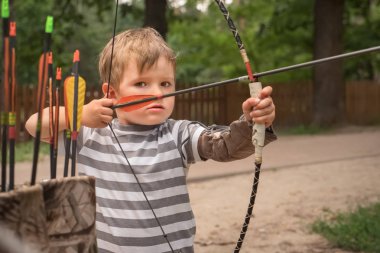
[{"x": 144, "y": 45}]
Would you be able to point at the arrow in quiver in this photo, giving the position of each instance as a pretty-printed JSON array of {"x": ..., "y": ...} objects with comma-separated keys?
[
  {"x": 54, "y": 216},
  {"x": 75, "y": 90},
  {"x": 5, "y": 92}
]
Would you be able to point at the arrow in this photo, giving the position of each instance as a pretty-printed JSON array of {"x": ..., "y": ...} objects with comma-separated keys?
[
  {"x": 75, "y": 89},
  {"x": 12, "y": 113},
  {"x": 58, "y": 79},
  {"x": 5, "y": 104},
  {"x": 41, "y": 93},
  {"x": 51, "y": 115},
  {"x": 146, "y": 99},
  {"x": 66, "y": 136}
]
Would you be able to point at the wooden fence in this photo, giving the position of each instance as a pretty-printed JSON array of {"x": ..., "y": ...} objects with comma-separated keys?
[{"x": 223, "y": 104}]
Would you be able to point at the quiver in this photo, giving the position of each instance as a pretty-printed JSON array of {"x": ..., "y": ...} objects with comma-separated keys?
[{"x": 54, "y": 216}]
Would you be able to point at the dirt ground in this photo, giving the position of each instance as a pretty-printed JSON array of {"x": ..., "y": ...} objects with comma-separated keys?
[{"x": 303, "y": 178}]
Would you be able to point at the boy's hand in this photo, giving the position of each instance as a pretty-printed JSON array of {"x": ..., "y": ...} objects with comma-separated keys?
[
  {"x": 97, "y": 113},
  {"x": 260, "y": 110}
]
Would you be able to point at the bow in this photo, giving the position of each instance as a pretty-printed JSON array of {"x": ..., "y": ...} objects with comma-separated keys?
[{"x": 258, "y": 134}]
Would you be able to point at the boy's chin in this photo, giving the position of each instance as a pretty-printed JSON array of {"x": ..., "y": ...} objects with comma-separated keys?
[{"x": 147, "y": 122}]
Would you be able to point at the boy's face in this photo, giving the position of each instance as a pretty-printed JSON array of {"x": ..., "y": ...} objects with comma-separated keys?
[{"x": 157, "y": 80}]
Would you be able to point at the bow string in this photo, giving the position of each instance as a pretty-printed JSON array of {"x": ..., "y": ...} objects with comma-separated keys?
[{"x": 165, "y": 236}]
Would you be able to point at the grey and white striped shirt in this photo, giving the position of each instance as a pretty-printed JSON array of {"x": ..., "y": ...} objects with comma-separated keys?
[{"x": 125, "y": 222}]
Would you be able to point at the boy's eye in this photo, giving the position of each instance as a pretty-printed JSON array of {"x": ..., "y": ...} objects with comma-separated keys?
[
  {"x": 166, "y": 84},
  {"x": 140, "y": 84}
]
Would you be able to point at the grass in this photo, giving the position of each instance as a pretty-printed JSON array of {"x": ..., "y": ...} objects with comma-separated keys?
[
  {"x": 356, "y": 231},
  {"x": 24, "y": 151}
]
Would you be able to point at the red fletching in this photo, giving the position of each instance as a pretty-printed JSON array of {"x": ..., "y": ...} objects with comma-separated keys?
[{"x": 128, "y": 99}]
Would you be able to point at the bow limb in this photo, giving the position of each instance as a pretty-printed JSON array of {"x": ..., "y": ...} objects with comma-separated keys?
[{"x": 258, "y": 134}]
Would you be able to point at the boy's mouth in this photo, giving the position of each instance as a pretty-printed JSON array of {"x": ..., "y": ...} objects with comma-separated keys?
[{"x": 156, "y": 106}]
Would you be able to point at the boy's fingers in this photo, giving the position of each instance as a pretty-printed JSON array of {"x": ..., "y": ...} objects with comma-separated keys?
[
  {"x": 107, "y": 102},
  {"x": 266, "y": 92},
  {"x": 264, "y": 103},
  {"x": 106, "y": 111},
  {"x": 262, "y": 112},
  {"x": 106, "y": 119},
  {"x": 265, "y": 119},
  {"x": 250, "y": 103}
]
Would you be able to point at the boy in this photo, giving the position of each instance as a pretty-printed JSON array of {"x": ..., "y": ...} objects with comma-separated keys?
[{"x": 142, "y": 198}]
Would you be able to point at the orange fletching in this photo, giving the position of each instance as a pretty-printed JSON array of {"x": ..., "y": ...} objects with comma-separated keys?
[
  {"x": 42, "y": 81},
  {"x": 128, "y": 99}
]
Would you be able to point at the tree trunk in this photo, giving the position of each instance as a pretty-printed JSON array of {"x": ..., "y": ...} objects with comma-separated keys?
[
  {"x": 328, "y": 86},
  {"x": 155, "y": 16}
]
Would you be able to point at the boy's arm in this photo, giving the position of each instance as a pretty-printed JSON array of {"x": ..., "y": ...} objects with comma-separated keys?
[
  {"x": 96, "y": 114},
  {"x": 31, "y": 123},
  {"x": 230, "y": 143},
  {"x": 235, "y": 142}
]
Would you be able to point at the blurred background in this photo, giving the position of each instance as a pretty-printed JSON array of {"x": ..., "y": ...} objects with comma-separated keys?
[
  {"x": 306, "y": 177},
  {"x": 275, "y": 34}
]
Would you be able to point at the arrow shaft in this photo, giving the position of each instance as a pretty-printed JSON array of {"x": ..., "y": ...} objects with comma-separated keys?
[
  {"x": 40, "y": 103},
  {"x": 318, "y": 61},
  {"x": 5, "y": 103},
  {"x": 12, "y": 113},
  {"x": 245, "y": 78}
]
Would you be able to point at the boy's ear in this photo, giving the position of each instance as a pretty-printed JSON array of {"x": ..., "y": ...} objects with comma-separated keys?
[{"x": 111, "y": 91}]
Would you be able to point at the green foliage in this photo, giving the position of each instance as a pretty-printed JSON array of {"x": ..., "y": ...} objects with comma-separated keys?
[
  {"x": 357, "y": 231},
  {"x": 362, "y": 20},
  {"x": 85, "y": 25},
  {"x": 275, "y": 34},
  {"x": 207, "y": 50}
]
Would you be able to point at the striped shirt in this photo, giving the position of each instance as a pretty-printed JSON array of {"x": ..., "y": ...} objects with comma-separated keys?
[{"x": 124, "y": 220}]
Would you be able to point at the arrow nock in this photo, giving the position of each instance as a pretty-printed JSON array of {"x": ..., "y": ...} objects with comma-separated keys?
[
  {"x": 76, "y": 57},
  {"x": 50, "y": 58},
  {"x": 58, "y": 74},
  {"x": 49, "y": 24},
  {"x": 4, "y": 9},
  {"x": 12, "y": 29}
]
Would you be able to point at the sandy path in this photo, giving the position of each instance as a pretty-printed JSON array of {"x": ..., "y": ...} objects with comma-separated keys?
[{"x": 329, "y": 173}]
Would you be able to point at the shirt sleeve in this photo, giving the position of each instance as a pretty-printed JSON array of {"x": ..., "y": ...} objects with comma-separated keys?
[
  {"x": 229, "y": 143},
  {"x": 187, "y": 134}
]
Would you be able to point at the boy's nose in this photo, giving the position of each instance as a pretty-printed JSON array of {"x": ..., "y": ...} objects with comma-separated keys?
[{"x": 157, "y": 90}]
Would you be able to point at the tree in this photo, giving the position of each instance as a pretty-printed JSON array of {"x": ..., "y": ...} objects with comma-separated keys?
[
  {"x": 328, "y": 82},
  {"x": 70, "y": 20},
  {"x": 155, "y": 16}
]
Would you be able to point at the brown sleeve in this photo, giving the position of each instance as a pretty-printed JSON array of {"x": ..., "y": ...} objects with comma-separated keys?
[{"x": 230, "y": 143}]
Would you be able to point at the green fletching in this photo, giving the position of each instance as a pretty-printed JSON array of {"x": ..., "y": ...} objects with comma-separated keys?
[
  {"x": 49, "y": 24},
  {"x": 5, "y": 9}
]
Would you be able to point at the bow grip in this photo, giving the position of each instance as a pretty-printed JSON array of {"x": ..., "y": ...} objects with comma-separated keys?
[{"x": 258, "y": 134}]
